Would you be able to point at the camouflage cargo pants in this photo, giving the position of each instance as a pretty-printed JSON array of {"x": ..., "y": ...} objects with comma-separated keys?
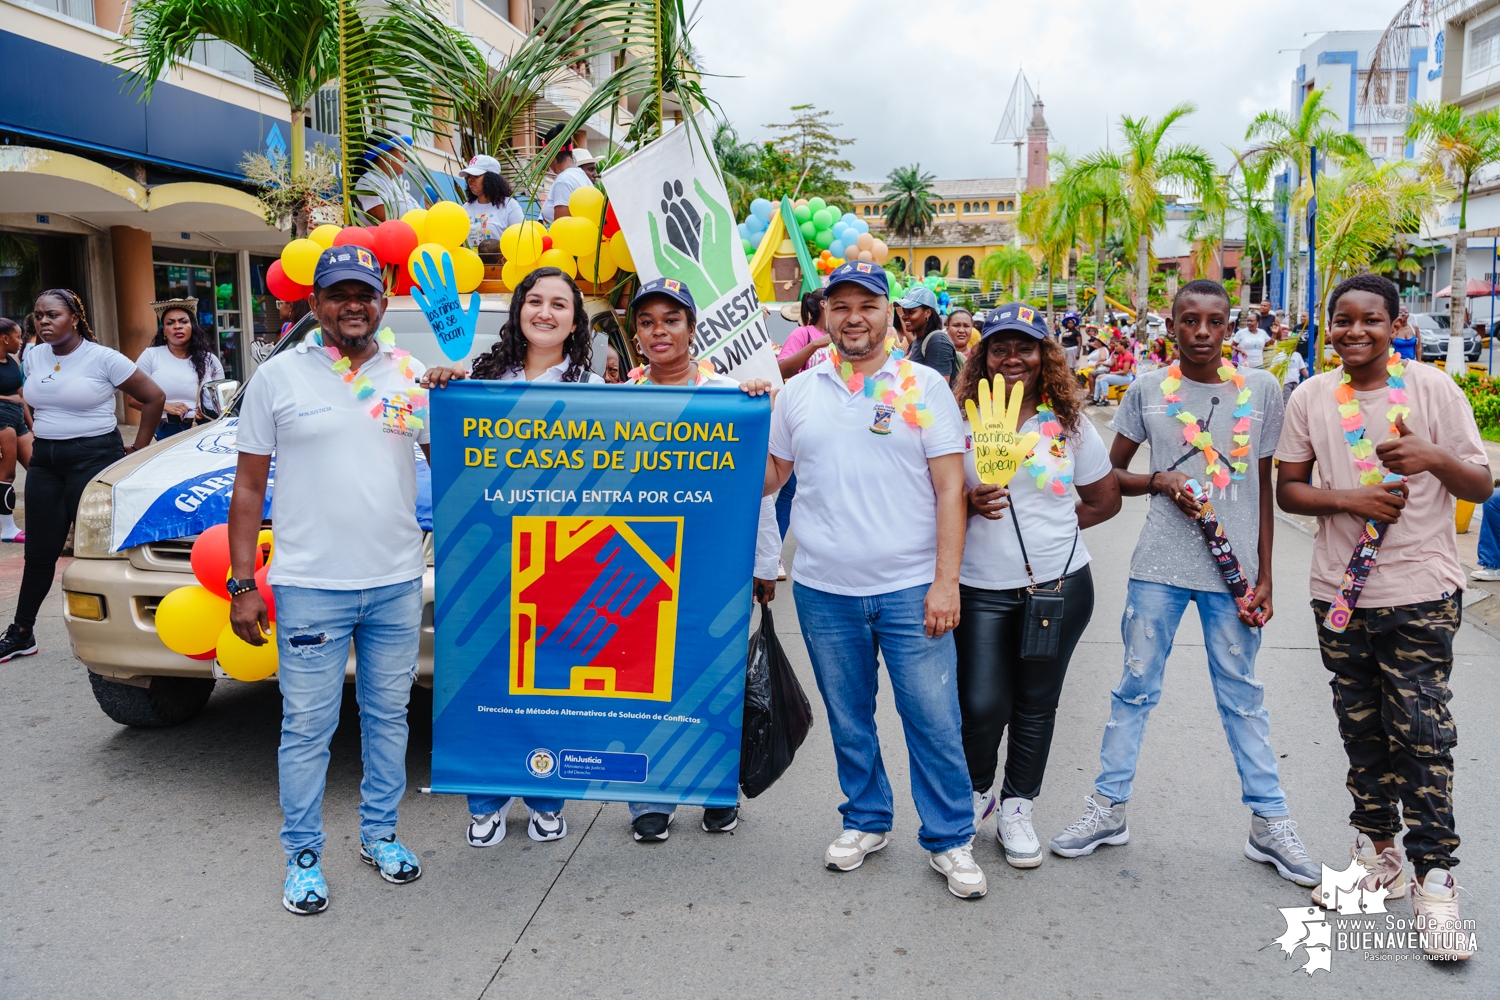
[{"x": 1390, "y": 693}]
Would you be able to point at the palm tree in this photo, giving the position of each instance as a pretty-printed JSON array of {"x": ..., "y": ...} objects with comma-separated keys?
[
  {"x": 1286, "y": 141},
  {"x": 910, "y": 210},
  {"x": 1457, "y": 147},
  {"x": 1141, "y": 169},
  {"x": 1011, "y": 266},
  {"x": 1094, "y": 205},
  {"x": 1402, "y": 261},
  {"x": 1050, "y": 231}
]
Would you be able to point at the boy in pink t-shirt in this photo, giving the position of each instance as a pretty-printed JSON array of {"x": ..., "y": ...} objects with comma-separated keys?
[{"x": 1392, "y": 662}]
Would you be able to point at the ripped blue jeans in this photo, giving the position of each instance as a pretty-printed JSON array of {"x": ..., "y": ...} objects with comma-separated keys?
[
  {"x": 313, "y": 631},
  {"x": 1152, "y": 613}
]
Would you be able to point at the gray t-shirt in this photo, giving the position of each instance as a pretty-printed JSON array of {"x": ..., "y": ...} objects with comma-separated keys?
[{"x": 1171, "y": 548}]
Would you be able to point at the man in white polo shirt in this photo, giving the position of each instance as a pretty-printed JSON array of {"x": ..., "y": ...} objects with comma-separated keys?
[
  {"x": 878, "y": 447},
  {"x": 341, "y": 413}
]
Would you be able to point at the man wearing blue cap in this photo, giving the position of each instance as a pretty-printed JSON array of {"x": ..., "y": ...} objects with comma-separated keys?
[
  {"x": 341, "y": 413},
  {"x": 923, "y": 326},
  {"x": 877, "y": 444}
]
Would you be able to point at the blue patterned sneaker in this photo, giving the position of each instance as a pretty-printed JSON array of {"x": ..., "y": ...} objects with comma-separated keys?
[
  {"x": 394, "y": 862},
  {"x": 306, "y": 892}
]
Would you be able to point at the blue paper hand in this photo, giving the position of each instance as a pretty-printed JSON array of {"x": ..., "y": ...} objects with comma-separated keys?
[{"x": 438, "y": 299}]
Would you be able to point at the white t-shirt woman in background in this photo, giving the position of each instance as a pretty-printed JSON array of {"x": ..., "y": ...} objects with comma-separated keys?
[
  {"x": 70, "y": 387},
  {"x": 182, "y": 361},
  {"x": 996, "y": 687},
  {"x": 491, "y": 204}
]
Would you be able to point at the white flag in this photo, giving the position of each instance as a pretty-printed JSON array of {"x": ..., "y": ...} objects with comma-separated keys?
[{"x": 679, "y": 223}]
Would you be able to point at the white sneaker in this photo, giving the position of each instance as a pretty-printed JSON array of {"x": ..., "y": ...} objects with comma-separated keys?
[
  {"x": 984, "y": 806},
  {"x": 1017, "y": 838},
  {"x": 1486, "y": 573},
  {"x": 1434, "y": 903},
  {"x": 487, "y": 830},
  {"x": 781, "y": 569},
  {"x": 545, "y": 826},
  {"x": 849, "y": 851},
  {"x": 958, "y": 866}
]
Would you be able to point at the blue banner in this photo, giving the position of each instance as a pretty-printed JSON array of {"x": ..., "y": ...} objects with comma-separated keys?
[{"x": 594, "y": 550}]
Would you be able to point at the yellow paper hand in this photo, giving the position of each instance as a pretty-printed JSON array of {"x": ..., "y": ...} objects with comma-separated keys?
[{"x": 998, "y": 449}]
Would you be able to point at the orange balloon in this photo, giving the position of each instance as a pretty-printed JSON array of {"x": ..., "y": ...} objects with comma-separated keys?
[{"x": 210, "y": 560}]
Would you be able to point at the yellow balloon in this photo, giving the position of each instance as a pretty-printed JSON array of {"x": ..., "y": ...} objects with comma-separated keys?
[
  {"x": 189, "y": 620},
  {"x": 299, "y": 259},
  {"x": 446, "y": 223},
  {"x": 522, "y": 242},
  {"x": 618, "y": 250},
  {"x": 243, "y": 661},
  {"x": 417, "y": 219},
  {"x": 575, "y": 236},
  {"x": 323, "y": 235},
  {"x": 558, "y": 259},
  {"x": 513, "y": 274},
  {"x": 586, "y": 203},
  {"x": 468, "y": 269},
  {"x": 605, "y": 263},
  {"x": 415, "y": 264}
]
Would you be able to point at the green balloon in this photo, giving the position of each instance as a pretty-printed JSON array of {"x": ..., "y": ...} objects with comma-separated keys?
[
  {"x": 808, "y": 230},
  {"x": 816, "y": 204},
  {"x": 822, "y": 218},
  {"x": 823, "y": 238},
  {"x": 749, "y": 248},
  {"x": 802, "y": 213}
]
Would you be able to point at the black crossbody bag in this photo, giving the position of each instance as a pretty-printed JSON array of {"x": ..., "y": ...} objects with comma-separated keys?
[{"x": 1041, "y": 633}]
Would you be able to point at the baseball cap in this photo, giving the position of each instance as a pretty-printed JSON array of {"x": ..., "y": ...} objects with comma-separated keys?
[
  {"x": 1021, "y": 319},
  {"x": 480, "y": 165},
  {"x": 582, "y": 156},
  {"x": 348, "y": 263},
  {"x": 870, "y": 277},
  {"x": 670, "y": 287},
  {"x": 918, "y": 295}
]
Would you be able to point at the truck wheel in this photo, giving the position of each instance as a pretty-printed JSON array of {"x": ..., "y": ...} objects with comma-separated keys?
[{"x": 169, "y": 701}]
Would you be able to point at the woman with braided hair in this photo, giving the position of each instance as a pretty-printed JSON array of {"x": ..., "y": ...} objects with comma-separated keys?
[{"x": 70, "y": 386}]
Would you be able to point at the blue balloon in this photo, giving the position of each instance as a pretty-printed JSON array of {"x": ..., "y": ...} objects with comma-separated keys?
[
  {"x": 756, "y": 224},
  {"x": 744, "y": 231},
  {"x": 837, "y": 248},
  {"x": 850, "y": 218},
  {"x": 861, "y": 225},
  {"x": 761, "y": 209},
  {"x": 840, "y": 230},
  {"x": 757, "y": 238}
]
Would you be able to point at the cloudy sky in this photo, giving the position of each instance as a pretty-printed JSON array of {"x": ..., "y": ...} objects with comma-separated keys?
[{"x": 927, "y": 81}]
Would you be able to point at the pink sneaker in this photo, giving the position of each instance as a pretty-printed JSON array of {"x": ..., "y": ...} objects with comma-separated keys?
[{"x": 20, "y": 538}]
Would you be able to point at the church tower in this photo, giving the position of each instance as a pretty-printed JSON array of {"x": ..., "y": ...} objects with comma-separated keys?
[{"x": 1036, "y": 148}]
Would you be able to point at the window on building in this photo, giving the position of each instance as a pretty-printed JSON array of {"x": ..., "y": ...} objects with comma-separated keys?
[
  {"x": 78, "y": 10},
  {"x": 952, "y": 208},
  {"x": 867, "y": 210},
  {"x": 966, "y": 206},
  {"x": 986, "y": 208},
  {"x": 325, "y": 109},
  {"x": 966, "y": 266},
  {"x": 1484, "y": 46},
  {"x": 1377, "y": 145},
  {"x": 931, "y": 266},
  {"x": 1398, "y": 92}
]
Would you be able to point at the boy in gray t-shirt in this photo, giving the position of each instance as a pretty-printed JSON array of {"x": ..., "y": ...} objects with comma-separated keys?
[{"x": 1229, "y": 452}]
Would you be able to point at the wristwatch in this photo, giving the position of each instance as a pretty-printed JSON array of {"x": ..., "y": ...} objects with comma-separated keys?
[{"x": 238, "y": 587}]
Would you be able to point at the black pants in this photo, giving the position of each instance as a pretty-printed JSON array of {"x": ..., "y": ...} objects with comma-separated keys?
[
  {"x": 996, "y": 687},
  {"x": 54, "y": 483}
]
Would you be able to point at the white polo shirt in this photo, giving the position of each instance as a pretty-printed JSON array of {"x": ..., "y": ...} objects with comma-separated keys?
[
  {"x": 344, "y": 507},
  {"x": 553, "y": 374},
  {"x": 865, "y": 514}
]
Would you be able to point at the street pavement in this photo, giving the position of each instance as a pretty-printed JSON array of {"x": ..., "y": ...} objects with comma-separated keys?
[{"x": 146, "y": 863}]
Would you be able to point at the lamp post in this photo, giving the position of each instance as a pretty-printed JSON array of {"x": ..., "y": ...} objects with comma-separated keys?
[{"x": 1313, "y": 364}]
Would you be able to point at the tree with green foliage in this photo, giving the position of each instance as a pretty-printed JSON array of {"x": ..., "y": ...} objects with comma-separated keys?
[
  {"x": 1456, "y": 146},
  {"x": 1094, "y": 204},
  {"x": 1010, "y": 265},
  {"x": 813, "y": 152},
  {"x": 1141, "y": 169},
  {"x": 909, "y": 207}
]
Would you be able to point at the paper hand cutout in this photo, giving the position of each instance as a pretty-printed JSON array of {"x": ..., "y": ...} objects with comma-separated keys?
[
  {"x": 437, "y": 296},
  {"x": 998, "y": 449}
]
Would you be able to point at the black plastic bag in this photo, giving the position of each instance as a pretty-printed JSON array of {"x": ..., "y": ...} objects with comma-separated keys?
[{"x": 777, "y": 713}]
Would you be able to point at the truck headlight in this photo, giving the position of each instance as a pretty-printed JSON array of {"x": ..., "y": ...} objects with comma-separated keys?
[{"x": 94, "y": 526}]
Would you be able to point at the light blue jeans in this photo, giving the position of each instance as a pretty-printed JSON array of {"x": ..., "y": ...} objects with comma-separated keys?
[
  {"x": 313, "y": 630},
  {"x": 1152, "y": 614},
  {"x": 843, "y": 636}
]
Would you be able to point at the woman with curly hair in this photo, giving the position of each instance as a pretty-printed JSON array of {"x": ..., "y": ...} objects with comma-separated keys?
[
  {"x": 547, "y": 337},
  {"x": 182, "y": 361},
  {"x": 1040, "y": 549}
]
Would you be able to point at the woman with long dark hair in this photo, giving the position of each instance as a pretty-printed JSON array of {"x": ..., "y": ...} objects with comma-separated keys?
[
  {"x": 70, "y": 387},
  {"x": 1000, "y": 682},
  {"x": 15, "y": 427},
  {"x": 489, "y": 200},
  {"x": 181, "y": 360}
]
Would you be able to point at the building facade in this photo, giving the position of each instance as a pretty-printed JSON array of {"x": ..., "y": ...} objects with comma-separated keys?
[{"x": 973, "y": 217}]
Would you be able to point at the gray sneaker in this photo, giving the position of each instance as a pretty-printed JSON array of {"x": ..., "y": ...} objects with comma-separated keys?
[
  {"x": 1102, "y": 822},
  {"x": 1274, "y": 840}
]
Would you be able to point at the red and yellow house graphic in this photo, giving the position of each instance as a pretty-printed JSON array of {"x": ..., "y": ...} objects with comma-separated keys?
[{"x": 593, "y": 605}]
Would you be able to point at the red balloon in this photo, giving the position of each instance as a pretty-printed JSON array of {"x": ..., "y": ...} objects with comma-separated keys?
[
  {"x": 202, "y": 656},
  {"x": 394, "y": 241},
  {"x": 265, "y": 590},
  {"x": 356, "y": 236},
  {"x": 284, "y": 288},
  {"x": 210, "y": 559},
  {"x": 609, "y": 216},
  {"x": 610, "y": 228},
  {"x": 546, "y": 243}
]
